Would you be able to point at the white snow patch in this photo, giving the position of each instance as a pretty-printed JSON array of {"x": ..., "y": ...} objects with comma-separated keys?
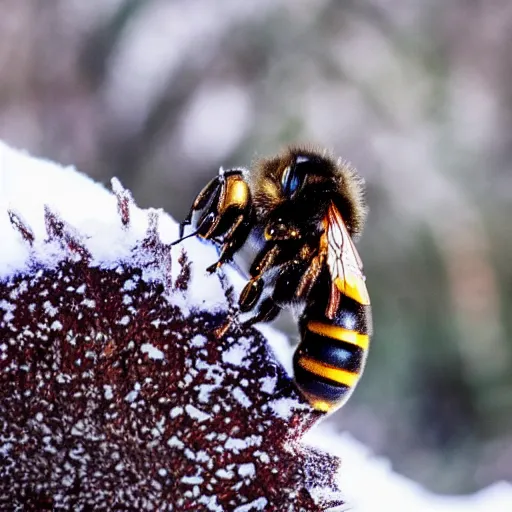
[
  {"x": 198, "y": 341},
  {"x": 204, "y": 392},
  {"x": 285, "y": 407},
  {"x": 108, "y": 394},
  {"x": 176, "y": 411},
  {"x": 81, "y": 289},
  {"x": 174, "y": 441},
  {"x": 224, "y": 474},
  {"x": 268, "y": 384},
  {"x": 237, "y": 444},
  {"x": 196, "y": 414},
  {"x": 241, "y": 397},
  {"x": 247, "y": 470},
  {"x": 151, "y": 351},
  {"x": 56, "y": 326},
  {"x": 236, "y": 354},
  {"x": 258, "y": 504},
  {"x": 192, "y": 480},
  {"x": 125, "y": 320},
  {"x": 27, "y": 184}
]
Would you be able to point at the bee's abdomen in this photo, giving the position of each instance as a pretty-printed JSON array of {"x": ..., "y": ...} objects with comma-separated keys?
[{"x": 331, "y": 357}]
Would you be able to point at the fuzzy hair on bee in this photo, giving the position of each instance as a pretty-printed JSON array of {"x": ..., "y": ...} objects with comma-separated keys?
[
  {"x": 265, "y": 182},
  {"x": 297, "y": 215}
]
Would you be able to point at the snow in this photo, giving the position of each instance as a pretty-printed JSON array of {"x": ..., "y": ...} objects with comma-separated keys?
[
  {"x": 151, "y": 351},
  {"x": 236, "y": 354},
  {"x": 361, "y": 471},
  {"x": 29, "y": 184},
  {"x": 196, "y": 414},
  {"x": 258, "y": 504},
  {"x": 284, "y": 407}
]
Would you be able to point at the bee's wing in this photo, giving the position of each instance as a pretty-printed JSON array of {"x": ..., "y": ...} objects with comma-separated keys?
[{"x": 343, "y": 260}]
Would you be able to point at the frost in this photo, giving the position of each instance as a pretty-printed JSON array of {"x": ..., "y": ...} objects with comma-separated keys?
[
  {"x": 241, "y": 397},
  {"x": 196, "y": 414},
  {"x": 237, "y": 353},
  {"x": 284, "y": 407},
  {"x": 198, "y": 341},
  {"x": 56, "y": 326},
  {"x": 174, "y": 441},
  {"x": 151, "y": 351},
  {"x": 268, "y": 384},
  {"x": 192, "y": 480},
  {"x": 258, "y": 504},
  {"x": 108, "y": 392},
  {"x": 247, "y": 470}
]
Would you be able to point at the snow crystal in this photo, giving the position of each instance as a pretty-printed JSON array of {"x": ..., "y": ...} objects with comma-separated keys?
[
  {"x": 174, "y": 441},
  {"x": 176, "y": 411},
  {"x": 258, "y": 504},
  {"x": 56, "y": 326},
  {"x": 268, "y": 384},
  {"x": 192, "y": 480},
  {"x": 241, "y": 397},
  {"x": 285, "y": 407},
  {"x": 151, "y": 351},
  {"x": 196, "y": 414},
  {"x": 236, "y": 354},
  {"x": 247, "y": 470},
  {"x": 224, "y": 474},
  {"x": 108, "y": 394},
  {"x": 198, "y": 341}
]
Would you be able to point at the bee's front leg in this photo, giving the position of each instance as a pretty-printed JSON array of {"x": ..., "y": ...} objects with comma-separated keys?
[
  {"x": 233, "y": 240},
  {"x": 203, "y": 201},
  {"x": 225, "y": 210}
]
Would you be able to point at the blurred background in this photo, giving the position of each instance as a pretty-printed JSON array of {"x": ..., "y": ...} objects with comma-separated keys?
[{"x": 415, "y": 94}]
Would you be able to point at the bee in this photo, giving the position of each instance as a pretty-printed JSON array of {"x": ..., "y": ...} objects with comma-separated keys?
[{"x": 296, "y": 214}]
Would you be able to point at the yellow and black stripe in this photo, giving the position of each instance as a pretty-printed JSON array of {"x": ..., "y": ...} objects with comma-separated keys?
[{"x": 331, "y": 356}]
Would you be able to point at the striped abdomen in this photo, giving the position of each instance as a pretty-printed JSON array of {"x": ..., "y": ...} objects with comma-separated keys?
[{"x": 331, "y": 356}]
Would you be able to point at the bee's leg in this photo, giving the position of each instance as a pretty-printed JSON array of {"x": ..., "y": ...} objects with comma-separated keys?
[
  {"x": 310, "y": 276},
  {"x": 203, "y": 199},
  {"x": 253, "y": 289},
  {"x": 250, "y": 294},
  {"x": 232, "y": 243},
  {"x": 266, "y": 313}
]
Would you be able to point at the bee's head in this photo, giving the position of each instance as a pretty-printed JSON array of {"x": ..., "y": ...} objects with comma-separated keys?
[{"x": 299, "y": 184}]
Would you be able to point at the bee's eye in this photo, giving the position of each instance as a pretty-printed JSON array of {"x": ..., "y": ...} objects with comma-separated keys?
[{"x": 293, "y": 176}]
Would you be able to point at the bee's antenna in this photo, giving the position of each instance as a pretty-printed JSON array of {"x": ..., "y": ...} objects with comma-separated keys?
[
  {"x": 194, "y": 233},
  {"x": 209, "y": 217}
]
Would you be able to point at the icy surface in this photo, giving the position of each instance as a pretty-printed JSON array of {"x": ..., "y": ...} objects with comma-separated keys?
[{"x": 243, "y": 419}]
